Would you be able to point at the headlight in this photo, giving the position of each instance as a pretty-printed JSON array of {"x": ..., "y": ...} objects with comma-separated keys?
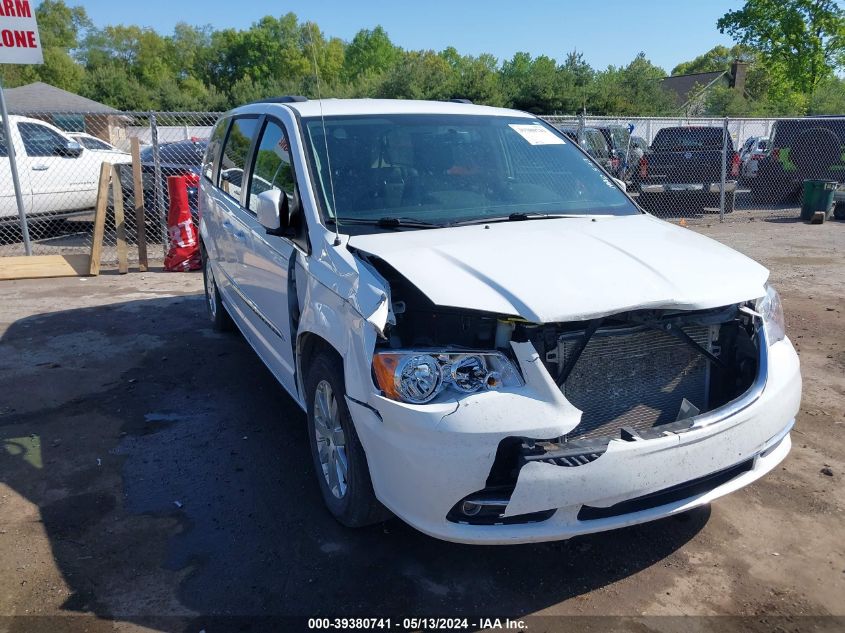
[
  {"x": 769, "y": 306},
  {"x": 418, "y": 376}
]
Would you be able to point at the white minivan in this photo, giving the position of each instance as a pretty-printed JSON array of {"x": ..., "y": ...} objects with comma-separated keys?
[{"x": 490, "y": 339}]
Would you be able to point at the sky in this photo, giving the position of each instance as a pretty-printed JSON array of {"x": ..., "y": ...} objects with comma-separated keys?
[{"x": 608, "y": 32}]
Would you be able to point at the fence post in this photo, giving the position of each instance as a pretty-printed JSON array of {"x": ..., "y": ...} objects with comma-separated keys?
[
  {"x": 159, "y": 191},
  {"x": 724, "y": 169},
  {"x": 13, "y": 164}
]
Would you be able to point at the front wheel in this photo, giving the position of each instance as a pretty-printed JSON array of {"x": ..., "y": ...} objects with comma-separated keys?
[{"x": 339, "y": 459}]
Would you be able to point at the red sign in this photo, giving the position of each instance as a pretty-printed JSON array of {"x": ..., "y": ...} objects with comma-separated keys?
[{"x": 19, "y": 42}]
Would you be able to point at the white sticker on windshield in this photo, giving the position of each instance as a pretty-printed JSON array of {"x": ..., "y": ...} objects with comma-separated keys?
[{"x": 536, "y": 134}]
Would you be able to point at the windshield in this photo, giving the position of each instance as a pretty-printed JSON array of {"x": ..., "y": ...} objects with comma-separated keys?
[
  {"x": 92, "y": 143},
  {"x": 453, "y": 168},
  {"x": 620, "y": 137}
]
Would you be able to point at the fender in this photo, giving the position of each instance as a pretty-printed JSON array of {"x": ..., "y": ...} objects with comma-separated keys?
[{"x": 346, "y": 303}]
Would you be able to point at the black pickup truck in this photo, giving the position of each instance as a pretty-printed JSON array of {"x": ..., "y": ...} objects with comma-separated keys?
[{"x": 684, "y": 166}]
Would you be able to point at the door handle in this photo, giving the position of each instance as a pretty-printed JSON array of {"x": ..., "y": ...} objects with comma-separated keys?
[
  {"x": 40, "y": 167},
  {"x": 240, "y": 235}
]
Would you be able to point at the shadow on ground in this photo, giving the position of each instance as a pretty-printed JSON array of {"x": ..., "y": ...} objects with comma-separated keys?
[{"x": 172, "y": 476}]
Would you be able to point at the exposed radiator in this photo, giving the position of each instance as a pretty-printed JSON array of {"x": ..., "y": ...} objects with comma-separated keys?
[{"x": 634, "y": 377}]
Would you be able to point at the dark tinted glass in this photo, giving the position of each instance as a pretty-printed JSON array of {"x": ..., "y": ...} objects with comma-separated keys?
[
  {"x": 39, "y": 140},
  {"x": 272, "y": 169},
  {"x": 91, "y": 143},
  {"x": 213, "y": 149},
  {"x": 694, "y": 138},
  {"x": 444, "y": 168},
  {"x": 187, "y": 153},
  {"x": 235, "y": 153}
]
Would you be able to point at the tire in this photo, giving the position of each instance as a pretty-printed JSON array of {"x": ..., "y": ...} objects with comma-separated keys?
[
  {"x": 220, "y": 319},
  {"x": 839, "y": 211},
  {"x": 334, "y": 442}
]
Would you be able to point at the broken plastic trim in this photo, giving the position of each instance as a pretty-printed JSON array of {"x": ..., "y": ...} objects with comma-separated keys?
[
  {"x": 487, "y": 507},
  {"x": 688, "y": 489}
]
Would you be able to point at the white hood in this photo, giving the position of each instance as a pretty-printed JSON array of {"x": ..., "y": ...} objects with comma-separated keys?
[{"x": 569, "y": 269}]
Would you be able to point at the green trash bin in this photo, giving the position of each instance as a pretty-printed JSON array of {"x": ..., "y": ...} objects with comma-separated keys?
[{"x": 818, "y": 196}]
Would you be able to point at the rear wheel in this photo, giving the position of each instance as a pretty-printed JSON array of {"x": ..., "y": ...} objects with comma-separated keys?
[
  {"x": 220, "y": 319},
  {"x": 339, "y": 459}
]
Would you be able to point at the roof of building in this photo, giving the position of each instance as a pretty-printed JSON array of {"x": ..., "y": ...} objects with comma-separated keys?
[
  {"x": 686, "y": 87},
  {"x": 41, "y": 97}
]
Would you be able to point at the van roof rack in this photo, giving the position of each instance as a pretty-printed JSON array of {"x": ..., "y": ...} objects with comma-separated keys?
[
  {"x": 284, "y": 99},
  {"x": 456, "y": 100}
]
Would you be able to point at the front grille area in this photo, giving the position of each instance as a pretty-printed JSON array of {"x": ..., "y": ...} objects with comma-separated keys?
[{"x": 634, "y": 377}]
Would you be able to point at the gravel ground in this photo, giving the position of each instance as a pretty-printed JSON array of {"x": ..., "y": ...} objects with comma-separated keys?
[{"x": 154, "y": 477}]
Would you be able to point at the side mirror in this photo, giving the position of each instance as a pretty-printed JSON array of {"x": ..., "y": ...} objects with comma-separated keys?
[
  {"x": 277, "y": 211},
  {"x": 69, "y": 148},
  {"x": 268, "y": 209}
]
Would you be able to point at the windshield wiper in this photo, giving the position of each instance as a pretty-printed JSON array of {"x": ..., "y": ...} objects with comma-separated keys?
[
  {"x": 388, "y": 222},
  {"x": 519, "y": 216}
]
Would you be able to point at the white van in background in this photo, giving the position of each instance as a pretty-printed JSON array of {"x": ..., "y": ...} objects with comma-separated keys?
[{"x": 58, "y": 176}]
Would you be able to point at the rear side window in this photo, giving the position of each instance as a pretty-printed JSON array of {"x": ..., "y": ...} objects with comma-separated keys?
[
  {"x": 272, "y": 168},
  {"x": 39, "y": 140},
  {"x": 688, "y": 139},
  {"x": 213, "y": 149},
  {"x": 235, "y": 153}
]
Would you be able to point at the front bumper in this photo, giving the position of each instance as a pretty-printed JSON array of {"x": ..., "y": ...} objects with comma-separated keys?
[
  {"x": 713, "y": 187},
  {"x": 424, "y": 459}
]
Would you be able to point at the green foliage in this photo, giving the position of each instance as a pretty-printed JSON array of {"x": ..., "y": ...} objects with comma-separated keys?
[
  {"x": 632, "y": 90},
  {"x": 803, "y": 41},
  {"x": 829, "y": 97},
  {"x": 793, "y": 47},
  {"x": 370, "y": 52},
  {"x": 716, "y": 59}
]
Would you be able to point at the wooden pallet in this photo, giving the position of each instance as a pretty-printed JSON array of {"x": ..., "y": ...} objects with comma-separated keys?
[{"x": 24, "y": 267}]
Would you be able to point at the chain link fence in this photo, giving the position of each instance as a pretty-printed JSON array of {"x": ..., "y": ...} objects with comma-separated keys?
[
  {"x": 59, "y": 161},
  {"x": 733, "y": 169},
  {"x": 696, "y": 169}
]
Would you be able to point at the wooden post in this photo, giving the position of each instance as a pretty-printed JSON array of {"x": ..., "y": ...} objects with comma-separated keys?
[
  {"x": 100, "y": 218},
  {"x": 119, "y": 223},
  {"x": 138, "y": 195}
]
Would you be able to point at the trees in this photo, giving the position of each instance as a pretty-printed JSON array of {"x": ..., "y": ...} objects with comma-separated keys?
[
  {"x": 370, "y": 52},
  {"x": 60, "y": 28},
  {"x": 632, "y": 90},
  {"x": 716, "y": 59},
  {"x": 793, "y": 48},
  {"x": 802, "y": 41}
]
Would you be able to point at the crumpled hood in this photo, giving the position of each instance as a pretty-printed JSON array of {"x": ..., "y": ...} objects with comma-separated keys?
[{"x": 569, "y": 269}]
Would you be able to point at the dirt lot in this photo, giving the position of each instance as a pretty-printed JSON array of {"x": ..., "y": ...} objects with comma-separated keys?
[{"x": 153, "y": 476}]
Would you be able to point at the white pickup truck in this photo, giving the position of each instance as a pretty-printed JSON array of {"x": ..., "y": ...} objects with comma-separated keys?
[{"x": 58, "y": 176}]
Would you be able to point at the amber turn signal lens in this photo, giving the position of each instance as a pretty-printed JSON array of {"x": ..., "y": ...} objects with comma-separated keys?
[{"x": 384, "y": 368}]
